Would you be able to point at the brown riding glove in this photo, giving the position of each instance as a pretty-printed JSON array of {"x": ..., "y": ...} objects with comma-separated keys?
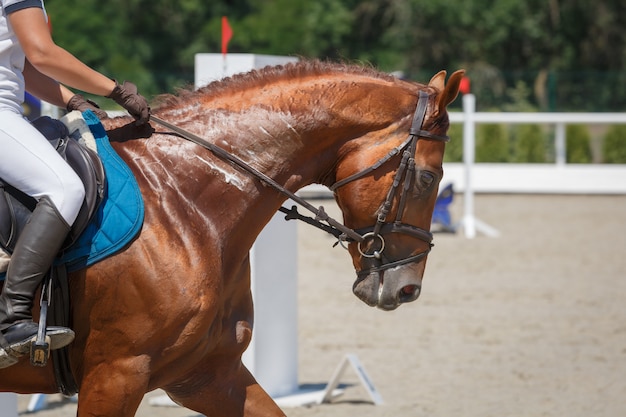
[
  {"x": 126, "y": 96},
  {"x": 78, "y": 102}
]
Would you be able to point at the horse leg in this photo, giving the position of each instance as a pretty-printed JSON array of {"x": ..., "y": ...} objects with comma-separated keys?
[
  {"x": 225, "y": 391},
  {"x": 113, "y": 389}
]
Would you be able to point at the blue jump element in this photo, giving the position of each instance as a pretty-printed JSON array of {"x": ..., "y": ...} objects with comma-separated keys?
[{"x": 442, "y": 220}]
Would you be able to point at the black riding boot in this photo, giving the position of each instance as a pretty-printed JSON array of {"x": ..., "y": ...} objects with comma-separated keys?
[{"x": 34, "y": 253}]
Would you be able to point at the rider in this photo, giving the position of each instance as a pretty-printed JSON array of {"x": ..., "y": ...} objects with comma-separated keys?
[{"x": 30, "y": 60}]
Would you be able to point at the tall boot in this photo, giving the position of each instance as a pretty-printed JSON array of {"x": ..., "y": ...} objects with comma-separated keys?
[{"x": 34, "y": 253}]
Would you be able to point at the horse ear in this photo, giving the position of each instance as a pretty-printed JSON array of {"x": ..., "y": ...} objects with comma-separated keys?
[
  {"x": 450, "y": 91},
  {"x": 438, "y": 81}
]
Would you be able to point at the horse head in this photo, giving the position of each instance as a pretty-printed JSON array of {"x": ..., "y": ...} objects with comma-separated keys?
[{"x": 386, "y": 186}]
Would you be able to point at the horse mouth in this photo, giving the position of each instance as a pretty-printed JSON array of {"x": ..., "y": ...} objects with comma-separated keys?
[{"x": 387, "y": 290}]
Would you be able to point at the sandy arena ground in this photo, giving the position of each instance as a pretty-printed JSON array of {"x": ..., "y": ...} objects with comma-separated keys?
[{"x": 532, "y": 323}]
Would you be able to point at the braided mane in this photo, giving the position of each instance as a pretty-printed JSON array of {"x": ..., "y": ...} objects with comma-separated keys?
[{"x": 266, "y": 75}]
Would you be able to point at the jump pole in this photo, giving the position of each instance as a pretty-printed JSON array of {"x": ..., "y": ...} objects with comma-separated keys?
[{"x": 469, "y": 222}]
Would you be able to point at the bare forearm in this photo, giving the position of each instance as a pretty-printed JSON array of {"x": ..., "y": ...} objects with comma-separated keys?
[
  {"x": 44, "y": 87},
  {"x": 65, "y": 68}
]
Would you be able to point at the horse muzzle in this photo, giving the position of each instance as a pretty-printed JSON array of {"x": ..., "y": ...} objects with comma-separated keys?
[{"x": 390, "y": 288}]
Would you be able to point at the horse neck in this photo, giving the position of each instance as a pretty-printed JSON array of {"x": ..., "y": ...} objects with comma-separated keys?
[{"x": 291, "y": 132}]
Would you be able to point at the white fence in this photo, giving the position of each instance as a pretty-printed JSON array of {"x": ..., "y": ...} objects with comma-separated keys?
[
  {"x": 558, "y": 177},
  {"x": 530, "y": 178}
]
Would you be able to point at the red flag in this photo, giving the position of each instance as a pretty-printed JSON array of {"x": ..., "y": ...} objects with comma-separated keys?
[
  {"x": 464, "y": 86},
  {"x": 227, "y": 33}
]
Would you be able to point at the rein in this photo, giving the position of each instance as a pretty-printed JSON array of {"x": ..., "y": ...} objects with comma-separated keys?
[{"x": 404, "y": 175}]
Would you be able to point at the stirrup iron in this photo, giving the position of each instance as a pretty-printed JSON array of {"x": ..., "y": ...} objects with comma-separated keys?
[{"x": 40, "y": 348}]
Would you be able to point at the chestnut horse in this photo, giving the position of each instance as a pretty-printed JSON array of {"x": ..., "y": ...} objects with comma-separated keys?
[{"x": 173, "y": 310}]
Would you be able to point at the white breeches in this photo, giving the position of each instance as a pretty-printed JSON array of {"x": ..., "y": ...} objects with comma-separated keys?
[{"x": 29, "y": 163}]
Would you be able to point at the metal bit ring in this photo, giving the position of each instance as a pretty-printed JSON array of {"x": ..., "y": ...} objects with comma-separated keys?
[{"x": 377, "y": 253}]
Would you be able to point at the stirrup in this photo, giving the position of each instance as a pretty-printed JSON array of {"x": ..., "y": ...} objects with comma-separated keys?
[
  {"x": 40, "y": 347},
  {"x": 40, "y": 350}
]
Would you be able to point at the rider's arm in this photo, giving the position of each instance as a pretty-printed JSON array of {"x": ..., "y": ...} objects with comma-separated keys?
[
  {"x": 31, "y": 28},
  {"x": 32, "y": 31},
  {"x": 44, "y": 87}
]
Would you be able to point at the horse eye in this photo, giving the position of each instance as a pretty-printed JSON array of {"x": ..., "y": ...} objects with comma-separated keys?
[{"x": 426, "y": 179}]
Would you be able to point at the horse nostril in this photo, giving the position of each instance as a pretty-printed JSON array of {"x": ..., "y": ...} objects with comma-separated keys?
[
  {"x": 409, "y": 289},
  {"x": 409, "y": 293}
]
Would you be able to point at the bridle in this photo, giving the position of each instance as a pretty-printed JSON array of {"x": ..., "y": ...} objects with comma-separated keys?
[
  {"x": 365, "y": 236},
  {"x": 405, "y": 175}
]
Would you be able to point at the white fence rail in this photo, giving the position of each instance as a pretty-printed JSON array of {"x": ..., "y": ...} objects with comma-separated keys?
[
  {"x": 559, "y": 120},
  {"x": 559, "y": 177}
]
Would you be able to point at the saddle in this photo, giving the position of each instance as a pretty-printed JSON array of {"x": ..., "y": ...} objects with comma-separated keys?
[
  {"x": 15, "y": 210},
  {"x": 16, "y": 207}
]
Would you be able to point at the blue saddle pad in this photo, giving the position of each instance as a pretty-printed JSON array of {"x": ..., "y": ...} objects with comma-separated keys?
[{"x": 120, "y": 215}]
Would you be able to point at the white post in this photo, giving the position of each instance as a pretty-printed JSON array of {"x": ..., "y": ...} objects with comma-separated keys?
[
  {"x": 272, "y": 356},
  {"x": 469, "y": 134},
  {"x": 470, "y": 223},
  {"x": 8, "y": 404},
  {"x": 559, "y": 145}
]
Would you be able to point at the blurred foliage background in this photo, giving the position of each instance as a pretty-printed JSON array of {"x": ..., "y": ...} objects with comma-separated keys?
[
  {"x": 549, "y": 55},
  {"x": 520, "y": 55}
]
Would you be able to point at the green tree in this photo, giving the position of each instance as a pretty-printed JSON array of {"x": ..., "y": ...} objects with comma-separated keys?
[
  {"x": 578, "y": 147},
  {"x": 614, "y": 148},
  {"x": 454, "y": 148},
  {"x": 568, "y": 54},
  {"x": 287, "y": 27},
  {"x": 492, "y": 143},
  {"x": 151, "y": 43},
  {"x": 530, "y": 144},
  {"x": 92, "y": 32}
]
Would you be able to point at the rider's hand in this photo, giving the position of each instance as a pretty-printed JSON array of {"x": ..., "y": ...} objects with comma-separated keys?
[
  {"x": 126, "y": 96},
  {"x": 78, "y": 102}
]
